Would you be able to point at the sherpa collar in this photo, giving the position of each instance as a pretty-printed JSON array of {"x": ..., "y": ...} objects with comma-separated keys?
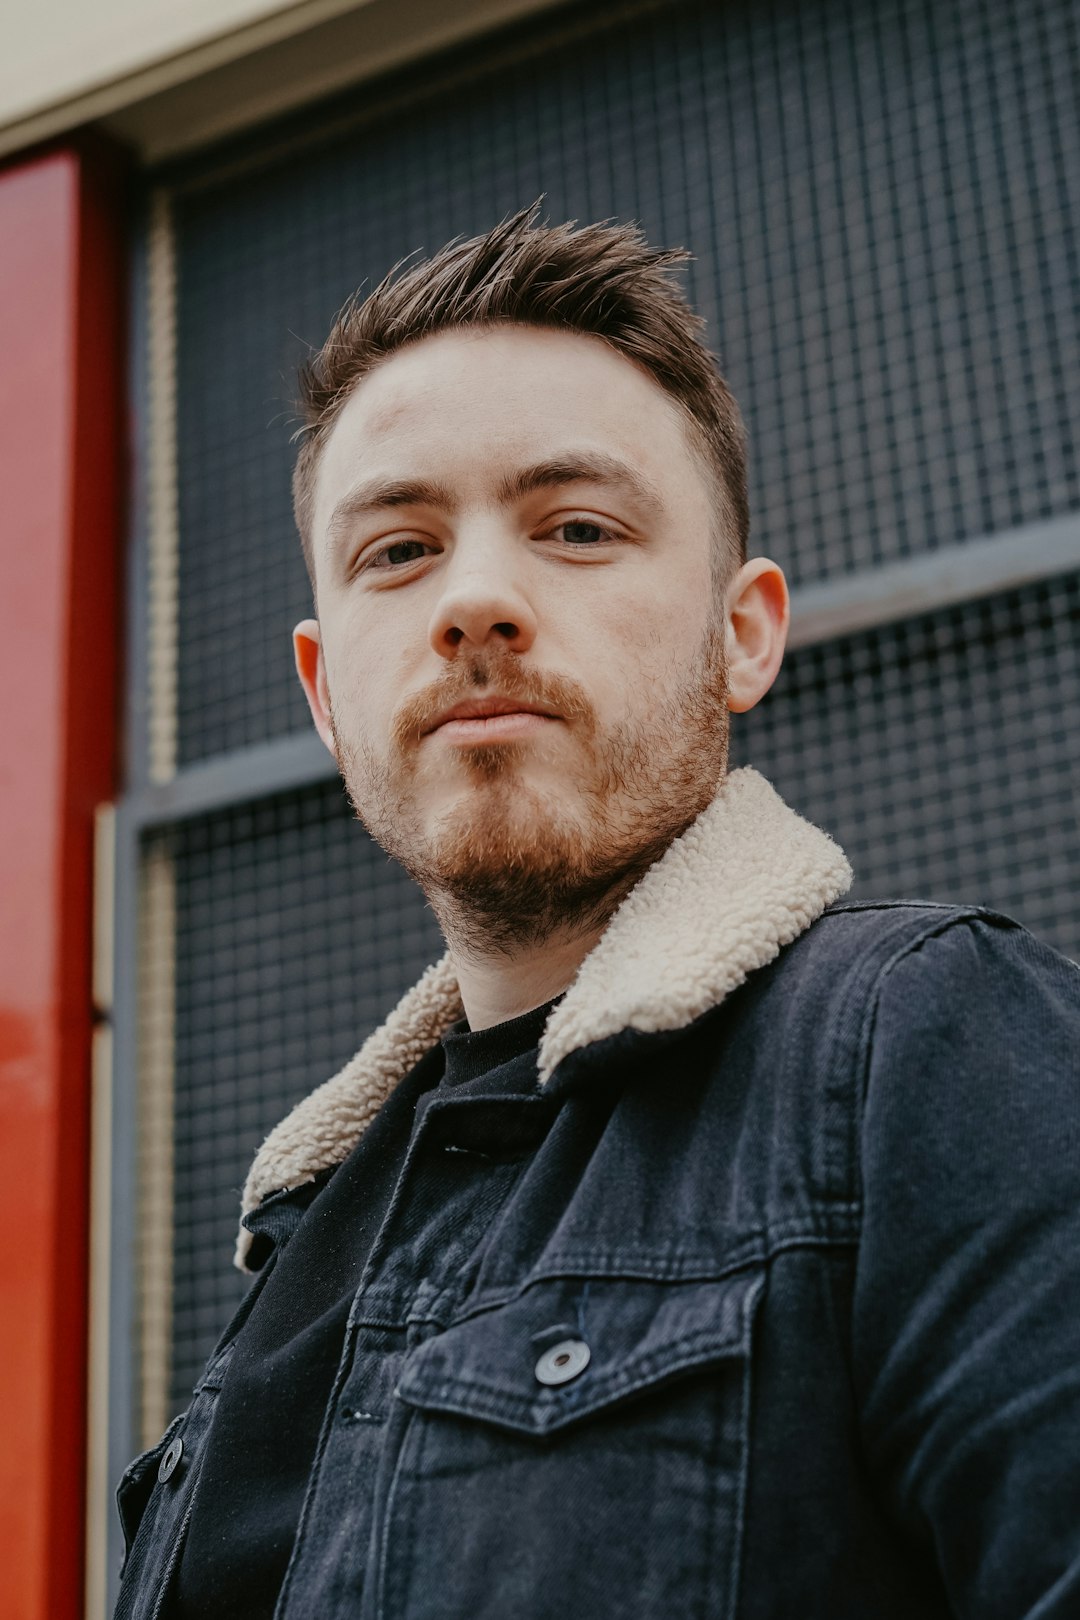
[{"x": 746, "y": 878}]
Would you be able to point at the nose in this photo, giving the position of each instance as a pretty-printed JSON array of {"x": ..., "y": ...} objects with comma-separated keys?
[{"x": 483, "y": 602}]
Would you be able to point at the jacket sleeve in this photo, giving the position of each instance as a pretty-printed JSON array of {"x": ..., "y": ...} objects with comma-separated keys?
[{"x": 966, "y": 1326}]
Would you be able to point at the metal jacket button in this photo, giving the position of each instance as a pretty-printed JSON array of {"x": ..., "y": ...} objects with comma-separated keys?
[
  {"x": 167, "y": 1465},
  {"x": 563, "y": 1362}
]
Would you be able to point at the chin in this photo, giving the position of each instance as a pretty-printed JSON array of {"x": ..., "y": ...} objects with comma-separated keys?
[
  {"x": 493, "y": 823},
  {"x": 492, "y": 778}
]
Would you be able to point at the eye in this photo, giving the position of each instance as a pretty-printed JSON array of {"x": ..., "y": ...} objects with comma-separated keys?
[
  {"x": 398, "y": 554},
  {"x": 580, "y": 531}
]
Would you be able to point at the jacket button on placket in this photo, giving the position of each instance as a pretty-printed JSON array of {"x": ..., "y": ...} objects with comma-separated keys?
[
  {"x": 563, "y": 1361},
  {"x": 167, "y": 1465}
]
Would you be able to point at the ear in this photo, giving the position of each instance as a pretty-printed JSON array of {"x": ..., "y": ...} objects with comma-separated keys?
[
  {"x": 757, "y": 617},
  {"x": 311, "y": 668}
]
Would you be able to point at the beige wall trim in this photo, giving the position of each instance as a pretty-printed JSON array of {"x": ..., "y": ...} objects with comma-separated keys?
[
  {"x": 163, "y": 538},
  {"x": 278, "y": 63},
  {"x": 66, "y": 63},
  {"x": 156, "y": 925},
  {"x": 154, "y": 1228}
]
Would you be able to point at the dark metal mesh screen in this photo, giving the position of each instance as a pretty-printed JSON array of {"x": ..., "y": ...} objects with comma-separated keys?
[
  {"x": 882, "y": 200},
  {"x": 943, "y": 753},
  {"x": 295, "y": 937}
]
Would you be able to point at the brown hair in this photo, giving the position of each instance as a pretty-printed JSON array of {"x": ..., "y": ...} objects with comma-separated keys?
[{"x": 603, "y": 281}]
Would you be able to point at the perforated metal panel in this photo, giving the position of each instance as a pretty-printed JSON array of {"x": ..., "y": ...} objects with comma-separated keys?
[
  {"x": 882, "y": 201},
  {"x": 943, "y": 754},
  {"x": 295, "y": 935}
]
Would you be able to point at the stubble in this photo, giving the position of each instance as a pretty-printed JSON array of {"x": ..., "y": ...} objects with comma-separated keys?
[{"x": 509, "y": 865}]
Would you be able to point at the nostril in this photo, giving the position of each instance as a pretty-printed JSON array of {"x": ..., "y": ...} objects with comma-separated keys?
[
  {"x": 507, "y": 630},
  {"x": 455, "y": 636}
]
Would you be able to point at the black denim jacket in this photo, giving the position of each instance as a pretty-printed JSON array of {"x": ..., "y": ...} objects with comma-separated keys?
[{"x": 780, "y": 1318}]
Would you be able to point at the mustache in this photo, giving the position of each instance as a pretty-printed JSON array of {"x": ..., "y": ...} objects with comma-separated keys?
[{"x": 501, "y": 675}]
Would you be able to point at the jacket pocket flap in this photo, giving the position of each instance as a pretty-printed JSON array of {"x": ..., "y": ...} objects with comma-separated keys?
[
  {"x": 615, "y": 1338},
  {"x": 138, "y": 1480}
]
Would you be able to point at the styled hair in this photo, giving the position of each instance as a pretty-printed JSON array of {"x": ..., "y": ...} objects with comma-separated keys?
[{"x": 603, "y": 281}]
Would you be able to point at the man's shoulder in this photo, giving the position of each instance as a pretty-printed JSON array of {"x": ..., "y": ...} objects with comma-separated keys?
[
  {"x": 889, "y": 930},
  {"x": 910, "y": 916},
  {"x": 914, "y": 950},
  {"x": 920, "y": 1001},
  {"x": 870, "y": 934},
  {"x": 873, "y": 935},
  {"x": 916, "y": 975}
]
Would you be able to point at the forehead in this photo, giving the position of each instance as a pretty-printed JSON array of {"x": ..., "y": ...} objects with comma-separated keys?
[{"x": 468, "y": 407}]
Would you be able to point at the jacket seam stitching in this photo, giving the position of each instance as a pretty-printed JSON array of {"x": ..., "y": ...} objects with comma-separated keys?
[{"x": 758, "y": 1259}]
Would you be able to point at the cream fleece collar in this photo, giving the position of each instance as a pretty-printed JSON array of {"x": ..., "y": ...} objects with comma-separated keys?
[{"x": 746, "y": 878}]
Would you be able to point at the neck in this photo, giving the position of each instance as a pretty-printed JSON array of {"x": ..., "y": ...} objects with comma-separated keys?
[{"x": 501, "y": 985}]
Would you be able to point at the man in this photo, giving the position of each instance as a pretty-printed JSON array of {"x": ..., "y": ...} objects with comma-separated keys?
[{"x": 687, "y": 1241}]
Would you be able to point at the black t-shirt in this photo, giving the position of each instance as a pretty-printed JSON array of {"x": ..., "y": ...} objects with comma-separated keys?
[{"x": 266, "y": 1427}]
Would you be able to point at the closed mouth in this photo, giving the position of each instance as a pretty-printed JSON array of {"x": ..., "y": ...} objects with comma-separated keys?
[{"x": 488, "y": 708}]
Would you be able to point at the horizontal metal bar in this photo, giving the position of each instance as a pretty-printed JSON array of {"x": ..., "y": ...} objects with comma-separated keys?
[
  {"x": 281, "y": 766},
  {"x": 933, "y": 580},
  {"x": 838, "y": 607}
]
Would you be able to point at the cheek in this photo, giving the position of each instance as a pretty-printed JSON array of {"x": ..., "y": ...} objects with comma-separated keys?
[
  {"x": 627, "y": 650},
  {"x": 654, "y": 633},
  {"x": 363, "y": 671}
]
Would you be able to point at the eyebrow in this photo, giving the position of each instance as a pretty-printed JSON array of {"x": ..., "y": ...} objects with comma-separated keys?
[
  {"x": 380, "y": 495},
  {"x": 588, "y": 467},
  {"x": 593, "y": 467}
]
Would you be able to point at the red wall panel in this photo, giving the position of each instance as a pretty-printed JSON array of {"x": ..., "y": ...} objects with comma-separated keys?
[{"x": 60, "y": 398}]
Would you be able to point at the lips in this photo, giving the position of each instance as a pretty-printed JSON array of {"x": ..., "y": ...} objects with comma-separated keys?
[{"x": 486, "y": 709}]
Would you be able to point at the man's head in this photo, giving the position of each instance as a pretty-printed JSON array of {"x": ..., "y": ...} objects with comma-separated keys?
[
  {"x": 523, "y": 487},
  {"x": 601, "y": 281}
]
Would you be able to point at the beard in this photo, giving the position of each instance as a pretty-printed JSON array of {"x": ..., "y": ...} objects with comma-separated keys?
[{"x": 509, "y": 864}]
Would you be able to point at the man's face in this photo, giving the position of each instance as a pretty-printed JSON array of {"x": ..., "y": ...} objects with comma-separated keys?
[{"x": 514, "y": 520}]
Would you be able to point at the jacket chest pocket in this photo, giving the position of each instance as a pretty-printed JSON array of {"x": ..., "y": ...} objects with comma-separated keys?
[{"x": 579, "y": 1451}]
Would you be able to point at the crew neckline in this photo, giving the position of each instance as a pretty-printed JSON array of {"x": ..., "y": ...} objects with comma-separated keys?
[{"x": 472, "y": 1053}]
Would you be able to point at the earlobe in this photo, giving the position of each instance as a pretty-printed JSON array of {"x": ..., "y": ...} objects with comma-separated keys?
[
  {"x": 758, "y": 613},
  {"x": 311, "y": 668}
]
